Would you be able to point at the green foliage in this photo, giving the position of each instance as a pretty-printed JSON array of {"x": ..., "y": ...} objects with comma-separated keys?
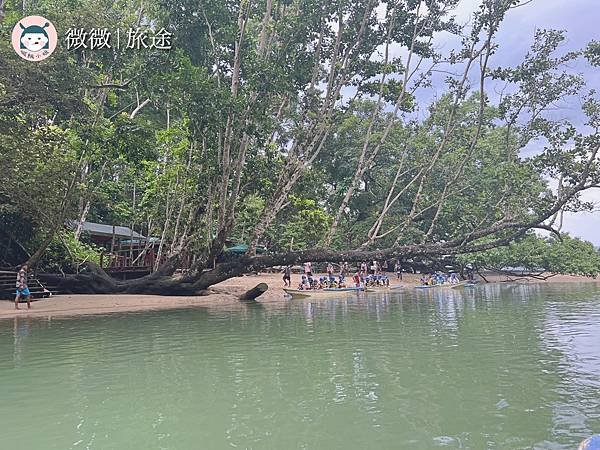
[
  {"x": 304, "y": 226},
  {"x": 248, "y": 217},
  {"x": 149, "y": 139},
  {"x": 38, "y": 172},
  {"x": 66, "y": 254},
  {"x": 592, "y": 53},
  {"x": 568, "y": 255}
]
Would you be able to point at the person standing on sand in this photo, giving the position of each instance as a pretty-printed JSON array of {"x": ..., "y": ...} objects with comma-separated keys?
[
  {"x": 308, "y": 269},
  {"x": 22, "y": 288},
  {"x": 329, "y": 270},
  {"x": 343, "y": 270},
  {"x": 287, "y": 276},
  {"x": 398, "y": 270},
  {"x": 469, "y": 268},
  {"x": 356, "y": 279}
]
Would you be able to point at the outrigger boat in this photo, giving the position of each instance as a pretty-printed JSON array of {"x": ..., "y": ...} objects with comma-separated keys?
[
  {"x": 426, "y": 286},
  {"x": 445, "y": 286},
  {"x": 383, "y": 288},
  {"x": 325, "y": 292},
  {"x": 458, "y": 285}
]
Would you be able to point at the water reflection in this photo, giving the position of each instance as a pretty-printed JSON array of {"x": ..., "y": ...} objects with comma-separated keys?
[
  {"x": 571, "y": 329},
  {"x": 21, "y": 331},
  {"x": 502, "y": 366}
]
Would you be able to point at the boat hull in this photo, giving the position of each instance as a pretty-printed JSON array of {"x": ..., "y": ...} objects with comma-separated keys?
[
  {"x": 443, "y": 286},
  {"x": 328, "y": 292},
  {"x": 383, "y": 288}
]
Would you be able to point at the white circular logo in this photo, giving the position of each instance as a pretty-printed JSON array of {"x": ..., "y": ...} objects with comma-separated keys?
[{"x": 34, "y": 38}]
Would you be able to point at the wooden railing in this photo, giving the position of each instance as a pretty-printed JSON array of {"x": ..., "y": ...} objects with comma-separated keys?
[{"x": 126, "y": 260}]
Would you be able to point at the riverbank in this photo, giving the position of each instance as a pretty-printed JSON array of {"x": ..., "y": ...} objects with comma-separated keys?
[{"x": 222, "y": 295}]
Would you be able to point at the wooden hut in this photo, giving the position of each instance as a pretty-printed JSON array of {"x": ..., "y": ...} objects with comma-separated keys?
[{"x": 126, "y": 253}]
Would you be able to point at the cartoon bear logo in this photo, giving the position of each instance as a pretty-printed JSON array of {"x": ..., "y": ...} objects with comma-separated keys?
[{"x": 34, "y": 38}]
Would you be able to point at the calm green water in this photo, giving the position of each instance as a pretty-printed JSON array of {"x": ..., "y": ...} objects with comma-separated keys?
[{"x": 499, "y": 367}]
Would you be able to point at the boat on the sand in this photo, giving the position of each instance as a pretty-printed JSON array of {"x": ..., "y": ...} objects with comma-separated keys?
[
  {"x": 443, "y": 286},
  {"x": 325, "y": 292},
  {"x": 384, "y": 288},
  {"x": 461, "y": 284}
]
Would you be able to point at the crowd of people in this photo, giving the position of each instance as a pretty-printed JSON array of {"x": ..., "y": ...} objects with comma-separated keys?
[
  {"x": 439, "y": 278},
  {"x": 366, "y": 275}
]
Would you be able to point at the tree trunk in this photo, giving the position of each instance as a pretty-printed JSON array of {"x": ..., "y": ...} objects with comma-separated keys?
[
  {"x": 255, "y": 292},
  {"x": 35, "y": 258},
  {"x": 93, "y": 280},
  {"x": 82, "y": 219}
]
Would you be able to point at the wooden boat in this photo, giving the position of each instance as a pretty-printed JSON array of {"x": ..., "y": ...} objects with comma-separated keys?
[
  {"x": 443, "y": 286},
  {"x": 383, "y": 288},
  {"x": 346, "y": 289},
  {"x": 462, "y": 284},
  {"x": 326, "y": 292}
]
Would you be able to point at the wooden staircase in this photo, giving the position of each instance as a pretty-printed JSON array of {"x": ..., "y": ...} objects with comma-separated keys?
[{"x": 7, "y": 287}]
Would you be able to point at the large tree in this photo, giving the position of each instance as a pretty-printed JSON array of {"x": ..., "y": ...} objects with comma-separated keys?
[{"x": 272, "y": 120}]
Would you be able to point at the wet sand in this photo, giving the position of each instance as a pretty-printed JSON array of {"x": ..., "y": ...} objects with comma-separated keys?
[{"x": 223, "y": 295}]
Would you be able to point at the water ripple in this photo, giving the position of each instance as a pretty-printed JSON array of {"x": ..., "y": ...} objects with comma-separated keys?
[{"x": 503, "y": 366}]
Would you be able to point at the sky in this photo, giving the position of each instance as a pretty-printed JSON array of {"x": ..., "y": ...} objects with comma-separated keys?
[{"x": 581, "y": 19}]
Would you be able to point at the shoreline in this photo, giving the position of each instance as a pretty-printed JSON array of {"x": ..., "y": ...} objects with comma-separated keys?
[{"x": 223, "y": 295}]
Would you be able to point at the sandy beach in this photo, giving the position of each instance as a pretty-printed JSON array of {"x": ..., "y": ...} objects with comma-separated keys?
[{"x": 222, "y": 295}]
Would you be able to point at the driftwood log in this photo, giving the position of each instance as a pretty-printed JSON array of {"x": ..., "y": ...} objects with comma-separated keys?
[{"x": 253, "y": 293}]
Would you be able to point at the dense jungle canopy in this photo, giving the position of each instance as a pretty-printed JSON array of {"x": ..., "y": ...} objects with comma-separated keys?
[{"x": 324, "y": 131}]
